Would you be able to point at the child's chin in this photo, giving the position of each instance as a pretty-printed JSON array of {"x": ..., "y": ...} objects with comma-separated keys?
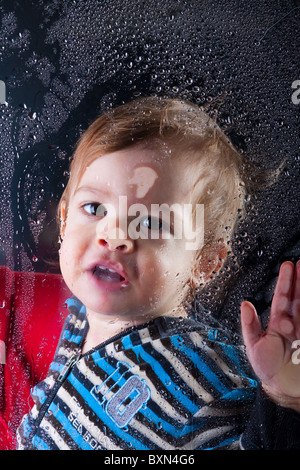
[{"x": 107, "y": 303}]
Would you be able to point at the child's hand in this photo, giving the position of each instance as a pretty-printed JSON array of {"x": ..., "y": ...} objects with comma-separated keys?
[{"x": 272, "y": 353}]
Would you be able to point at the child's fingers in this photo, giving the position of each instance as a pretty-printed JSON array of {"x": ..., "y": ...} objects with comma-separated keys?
[
  {"x": 295, "y": 308},
  {"x": 281, "y": 303},
  {"x": 282, "y": 319},
  {"x": 251, "y": 327},
  {"x": 296, "y": 286}
]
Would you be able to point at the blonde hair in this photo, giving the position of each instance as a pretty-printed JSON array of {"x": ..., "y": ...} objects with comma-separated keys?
[{"x": 218, "y": 170}]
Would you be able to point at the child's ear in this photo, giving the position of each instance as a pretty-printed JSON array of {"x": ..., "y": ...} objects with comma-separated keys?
[{"x": 208, "y": 263}]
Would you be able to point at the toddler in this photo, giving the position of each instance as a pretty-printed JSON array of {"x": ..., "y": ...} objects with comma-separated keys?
[{"x": 155, "y": 192}]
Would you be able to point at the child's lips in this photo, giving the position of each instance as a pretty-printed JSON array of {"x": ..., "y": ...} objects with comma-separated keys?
[{"x": 109, "y": 273}]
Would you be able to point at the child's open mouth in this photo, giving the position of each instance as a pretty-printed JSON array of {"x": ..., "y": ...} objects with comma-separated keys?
[
  {"x": 107, "y": 278},
  {"x": 107, "y": 275}
]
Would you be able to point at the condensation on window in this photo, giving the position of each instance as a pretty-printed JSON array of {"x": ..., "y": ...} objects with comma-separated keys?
[{"x": 64, "y": 63}]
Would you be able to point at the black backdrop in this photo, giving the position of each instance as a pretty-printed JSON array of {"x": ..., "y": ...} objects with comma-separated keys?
[{"x": 64, "y": 62}]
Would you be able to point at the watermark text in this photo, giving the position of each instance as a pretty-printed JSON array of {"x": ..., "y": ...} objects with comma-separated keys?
[
  {"x": 176, "y": 221},
  {"x": 2, "y": 352},
  {"x": 2, "y": 92},
  {"x": 296, "y": 94}
]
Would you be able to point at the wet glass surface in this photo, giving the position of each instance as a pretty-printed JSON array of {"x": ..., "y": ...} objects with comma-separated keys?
[{"x": 64, "y": 63}]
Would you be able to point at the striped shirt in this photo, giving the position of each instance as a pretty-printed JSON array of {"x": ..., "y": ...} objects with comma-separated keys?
[{"x": 172, "y": 383}]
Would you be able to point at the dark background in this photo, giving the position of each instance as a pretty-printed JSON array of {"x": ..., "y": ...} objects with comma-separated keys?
[{"x": 65, "y": 62}]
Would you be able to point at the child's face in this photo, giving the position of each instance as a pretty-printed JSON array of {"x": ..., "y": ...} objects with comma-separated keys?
[{"x": 150, "y": 275}]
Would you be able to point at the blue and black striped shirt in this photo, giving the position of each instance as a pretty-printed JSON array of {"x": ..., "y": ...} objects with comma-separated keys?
[{"x": 172, "y": 383}]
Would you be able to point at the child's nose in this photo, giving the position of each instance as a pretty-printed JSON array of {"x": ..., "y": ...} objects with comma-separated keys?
[{"x": 114, "y": 239}]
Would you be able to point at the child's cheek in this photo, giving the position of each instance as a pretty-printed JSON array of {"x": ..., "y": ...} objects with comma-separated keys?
[
  {"x": 71, "y": 249},
  {"x": 156, "y": 268},
  {"x": 64, "y": 259}
]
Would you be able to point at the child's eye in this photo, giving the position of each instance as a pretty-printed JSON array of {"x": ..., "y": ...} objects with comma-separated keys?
[
  {"x": 94, "y": 208},
  {"x": 155, "y": 224},
  {"x": 152, "y": 223}
]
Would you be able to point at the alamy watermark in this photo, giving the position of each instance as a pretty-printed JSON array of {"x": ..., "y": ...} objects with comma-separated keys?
[
  {"x": 296, "y": 94},
  {"x": 2, "y": 352},
  {"x": 2, "y": 92},
  {"x": 177, "y": 221},
  {"x": 296, "y": 354}
]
